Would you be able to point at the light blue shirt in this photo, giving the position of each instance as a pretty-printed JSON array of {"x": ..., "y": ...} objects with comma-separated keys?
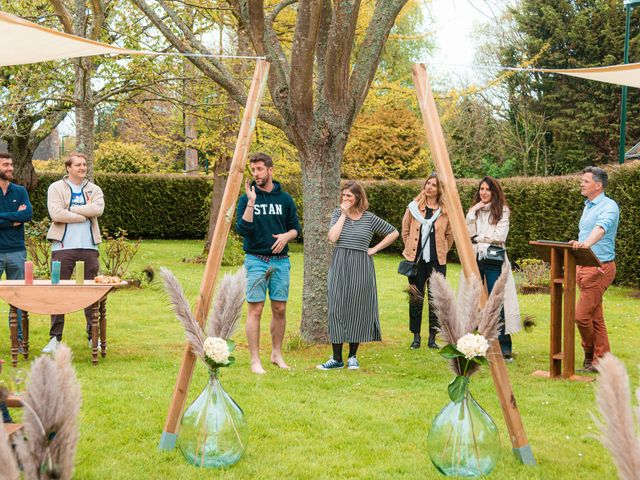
[{"x": 601, "y": 212}]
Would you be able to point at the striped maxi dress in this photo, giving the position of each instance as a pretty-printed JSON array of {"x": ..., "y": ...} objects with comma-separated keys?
[{"x": 352, "y": 292}]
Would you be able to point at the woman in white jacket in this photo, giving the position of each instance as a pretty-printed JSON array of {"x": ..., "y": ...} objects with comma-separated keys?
[{"x": 488, "y": 224}]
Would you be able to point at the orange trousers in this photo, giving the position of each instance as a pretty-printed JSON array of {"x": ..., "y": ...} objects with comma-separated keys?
[{"x": 593, "y": 282}]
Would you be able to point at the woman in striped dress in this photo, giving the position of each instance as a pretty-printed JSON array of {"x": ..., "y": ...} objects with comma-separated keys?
[{"x": 352, "y": 293}]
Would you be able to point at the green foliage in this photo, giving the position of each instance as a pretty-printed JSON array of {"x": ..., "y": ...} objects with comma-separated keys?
[
  {"x": 533, "y": 272},
  {"x": 119, "y": 157},
  {"x": 147, "y": 206},
  {"x": 38, "y": 247},
  {"x": 580, "y": 118},
  {"x": 117, "y": 252}
]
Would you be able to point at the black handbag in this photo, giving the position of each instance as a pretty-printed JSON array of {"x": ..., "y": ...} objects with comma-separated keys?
[
  {"x": 495, "y": 255},
  {"x": 407, "y": 268}
]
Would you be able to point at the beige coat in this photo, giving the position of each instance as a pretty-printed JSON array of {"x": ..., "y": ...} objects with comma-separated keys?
[
  {"x": 411, "y": 233},
  {"x": 58, "y": 204}
]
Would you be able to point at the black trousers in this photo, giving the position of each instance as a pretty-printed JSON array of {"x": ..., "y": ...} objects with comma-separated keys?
[{"x": 420, "y": 281}]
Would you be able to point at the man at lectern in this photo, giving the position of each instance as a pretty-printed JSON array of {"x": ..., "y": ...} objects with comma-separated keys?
[{"x": 598, "y": 228}]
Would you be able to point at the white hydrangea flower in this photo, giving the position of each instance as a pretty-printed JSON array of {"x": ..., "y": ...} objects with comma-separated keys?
[
  {"x": 217, "y": 350},
  {"x": 472, "y": 345}
]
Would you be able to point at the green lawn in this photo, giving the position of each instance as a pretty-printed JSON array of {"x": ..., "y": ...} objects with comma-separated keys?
[{"x": 370, "y": 423}]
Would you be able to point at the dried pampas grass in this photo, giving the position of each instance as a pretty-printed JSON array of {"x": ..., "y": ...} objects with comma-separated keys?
[
  {"x": 618, "y": 434},
  {"x": 8, "y": 466},
  {"x": 228, "y": 305},
  {"x": 51, "y": 408},
  {"x": 464, "y": 316},
  {"x": 225, "y": 315},
  {"x": 192, "y": 331}
]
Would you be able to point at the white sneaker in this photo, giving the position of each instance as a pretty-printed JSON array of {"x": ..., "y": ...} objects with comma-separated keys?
[
  {"x": 52, "y": 346},
  {"x": 352, "y": 363}
]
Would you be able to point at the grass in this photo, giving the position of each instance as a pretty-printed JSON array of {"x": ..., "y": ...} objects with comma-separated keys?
[{"x": 304, "y": 423}]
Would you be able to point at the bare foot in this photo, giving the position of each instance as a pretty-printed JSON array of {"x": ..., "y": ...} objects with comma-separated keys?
[
  {"x": 279, "y": 362},
  {"x": 257, "y": 368}
]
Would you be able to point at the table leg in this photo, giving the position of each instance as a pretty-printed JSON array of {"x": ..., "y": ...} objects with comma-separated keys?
[
  {"x": 13, "y": 329},
  {"x": 103, "y": 326},
  {"x": 25, "y": 334},
  {"x": 94, "y": 333}
]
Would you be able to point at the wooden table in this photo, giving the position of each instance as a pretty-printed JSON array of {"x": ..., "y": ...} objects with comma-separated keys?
[{"x": 44, "y": 298}]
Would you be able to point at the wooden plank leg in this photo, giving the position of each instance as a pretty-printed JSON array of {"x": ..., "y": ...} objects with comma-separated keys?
[
  {"x": 13, "y": 329},
  {"x": 94, "y": 333},
  {"x": 25, "y": 334},
  {"x": 435, "y": 136},
  {"x": 569, "y": 315},
  {"x": 214, "y": 259},
  {"x": 555, "y": 322},
  {"x": 103, "y": 327}
]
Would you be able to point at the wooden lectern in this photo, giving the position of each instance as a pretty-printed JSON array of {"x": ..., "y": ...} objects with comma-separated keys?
[{"x": 563, "y": 259}]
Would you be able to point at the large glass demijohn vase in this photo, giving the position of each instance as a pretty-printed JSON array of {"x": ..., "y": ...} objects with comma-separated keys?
[
  {"x": 213, "y": 432},
  {"x": 463, "y": 440}
]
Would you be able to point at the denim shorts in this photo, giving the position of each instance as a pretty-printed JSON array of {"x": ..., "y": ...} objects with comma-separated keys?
[{"x": 258, "y": 280}]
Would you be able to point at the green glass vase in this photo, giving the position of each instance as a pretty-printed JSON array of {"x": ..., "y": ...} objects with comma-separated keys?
[
  {"x": 463, "y": 440},
  {"x": 214, "y": 431}
]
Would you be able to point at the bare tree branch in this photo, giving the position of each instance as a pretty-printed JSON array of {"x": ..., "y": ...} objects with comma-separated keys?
[
  {"x": 64, "y": 15},
  {"x": 366, "y": 64},
  {"x": 321, "y": 47},
  {"x": 302, "y": 55},
  {"x": 338, "y": 56}
]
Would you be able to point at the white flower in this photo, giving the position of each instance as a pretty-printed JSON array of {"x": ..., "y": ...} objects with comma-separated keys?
[
  {"x": 217, "y": 350},
  {"x": 472, "y": 345}
]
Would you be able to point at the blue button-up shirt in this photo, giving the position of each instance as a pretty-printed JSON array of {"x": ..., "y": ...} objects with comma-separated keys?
[{"x": 601, "y": 212}]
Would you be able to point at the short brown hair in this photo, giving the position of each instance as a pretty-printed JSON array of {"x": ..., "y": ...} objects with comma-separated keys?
[
  {"x": 261, "y": 157},
  {"x": 68, "y": 162},
  {"x": 354, "y": 187},
  {"x": 5, "y": 155}
]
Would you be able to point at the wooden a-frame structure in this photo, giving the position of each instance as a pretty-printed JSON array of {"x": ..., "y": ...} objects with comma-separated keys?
[{"x": 435, "y": 136}]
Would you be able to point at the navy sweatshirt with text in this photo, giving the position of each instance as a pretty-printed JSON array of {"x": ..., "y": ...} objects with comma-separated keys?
[{"x": 274, "y": 212}]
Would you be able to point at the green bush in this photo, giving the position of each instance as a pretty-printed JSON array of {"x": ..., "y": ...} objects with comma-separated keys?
[
  {"x": 120, "y": 157},
  {"x": 146, "y": 206}
]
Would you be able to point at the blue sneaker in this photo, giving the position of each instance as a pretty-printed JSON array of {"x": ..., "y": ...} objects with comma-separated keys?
[{"x": 330, "y": 364}]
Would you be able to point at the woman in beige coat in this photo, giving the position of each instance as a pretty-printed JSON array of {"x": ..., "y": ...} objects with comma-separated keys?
[{"x": 427, "y": 237}]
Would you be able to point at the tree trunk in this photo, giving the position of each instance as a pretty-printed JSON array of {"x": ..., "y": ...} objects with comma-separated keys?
[
  {"x": 22, "y": 154},
  {"x": 321, "y": 187},
  {"x": 220, "y": 174},
  {"x": 85, "y": 111}
]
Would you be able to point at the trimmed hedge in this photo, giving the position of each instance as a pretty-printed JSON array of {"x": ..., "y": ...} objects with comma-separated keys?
[
  {"x": 148, "y": 206},
  {"x": 174, "y": 206}
]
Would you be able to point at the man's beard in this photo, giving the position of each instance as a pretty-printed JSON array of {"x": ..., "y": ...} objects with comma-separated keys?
[{"x": 6, "y": 176}]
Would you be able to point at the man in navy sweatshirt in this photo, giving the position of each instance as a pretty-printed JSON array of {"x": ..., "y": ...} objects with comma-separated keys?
[
  {"x": 15, "y": 210},
  {"x": 268, "y": 221}
]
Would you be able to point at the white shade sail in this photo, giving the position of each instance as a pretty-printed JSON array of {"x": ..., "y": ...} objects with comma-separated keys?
[
  {"x": 24, "y": 42},
  {"x": 628, "y": 74}
]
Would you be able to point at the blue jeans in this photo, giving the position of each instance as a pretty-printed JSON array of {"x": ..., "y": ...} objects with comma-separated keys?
[
  {"x": 489, "y": 275},
  {"x": 13, "y": 264}
]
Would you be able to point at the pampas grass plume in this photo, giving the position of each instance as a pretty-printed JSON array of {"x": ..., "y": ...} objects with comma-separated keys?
[
  {"x": 228, "y": 305},
  {"x": 8, "y": 466},
  {"x": 618, "y": 434}
]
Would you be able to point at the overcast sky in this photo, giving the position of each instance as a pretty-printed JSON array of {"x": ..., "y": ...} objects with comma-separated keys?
[{"x": 453, "y": 22}]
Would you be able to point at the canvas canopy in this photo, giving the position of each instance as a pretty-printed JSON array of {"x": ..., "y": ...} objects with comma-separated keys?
[
  {"x": 628, "y": 74},
  {"x": 25, "y": 42}
]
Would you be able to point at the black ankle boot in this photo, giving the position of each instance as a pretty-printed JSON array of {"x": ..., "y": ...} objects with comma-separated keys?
[
  {"x": 432, "y": 340},
  {"x": 416, "y": 341}
]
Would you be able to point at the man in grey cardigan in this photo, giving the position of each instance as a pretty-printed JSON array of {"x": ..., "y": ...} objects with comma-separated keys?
[{"x": 74, "y": 206}]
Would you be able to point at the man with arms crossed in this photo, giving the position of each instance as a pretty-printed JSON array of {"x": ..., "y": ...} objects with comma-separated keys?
[
  {"x": 15, "y": 210},
  {"x": 598, "y": 228},
  {"x": 268, "y": 221},
  {"x": 74, "y": 205}
]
